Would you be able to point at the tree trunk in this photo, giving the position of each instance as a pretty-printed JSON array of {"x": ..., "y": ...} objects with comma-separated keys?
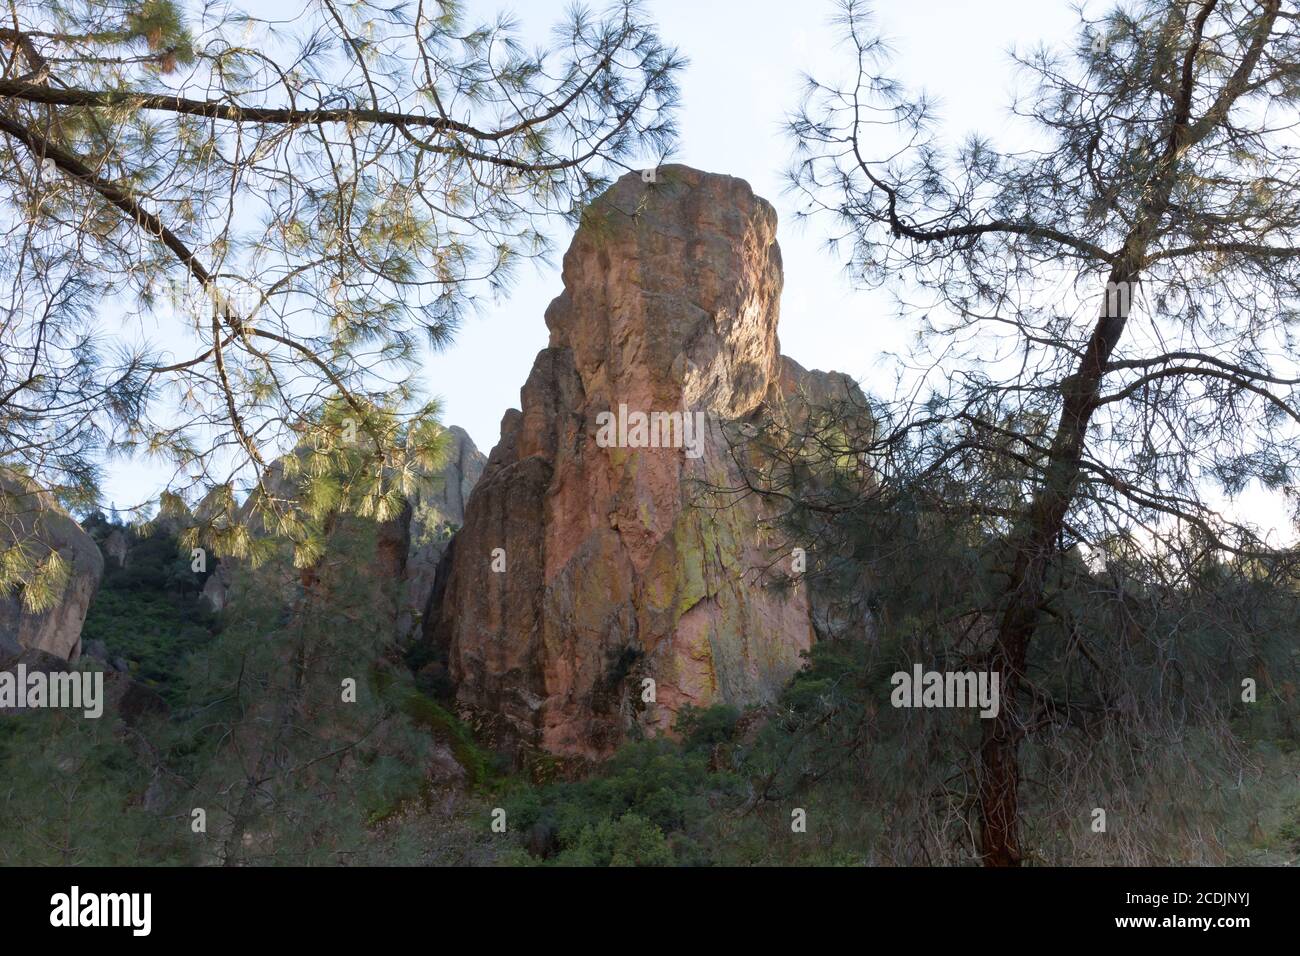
[
  {"x": 1034, "y": 547},
  {"x": 1034, "y": 541}
]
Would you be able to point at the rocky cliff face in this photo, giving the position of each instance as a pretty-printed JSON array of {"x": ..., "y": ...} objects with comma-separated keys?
[
  {"x": 593, "y": 557},
  {"x": 434, "y": 518},
  {"x": 406, "y": 551},
  {"x": 30, "y": 517}
]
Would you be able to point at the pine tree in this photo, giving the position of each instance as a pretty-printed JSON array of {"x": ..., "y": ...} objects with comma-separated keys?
[
  {"x": 302, "y": 214},
  {"x": 1108, "y": 314}
]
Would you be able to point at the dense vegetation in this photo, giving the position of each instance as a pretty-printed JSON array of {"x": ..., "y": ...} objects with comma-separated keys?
[
  {"x": 258, "y": 737},
  {"x": 147, "y": 612}
]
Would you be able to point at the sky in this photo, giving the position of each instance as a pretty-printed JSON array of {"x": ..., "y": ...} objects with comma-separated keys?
[{"x": 747, "y": 59}]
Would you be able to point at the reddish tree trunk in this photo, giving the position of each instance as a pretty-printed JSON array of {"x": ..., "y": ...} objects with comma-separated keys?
[{"x": 1035, "y": 546}]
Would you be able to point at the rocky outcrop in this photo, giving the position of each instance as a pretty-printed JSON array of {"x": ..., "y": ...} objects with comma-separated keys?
[
  {"x": 435, "y": 515},
  {"x": 117, "y": 547},
  {"x": 405, "y": 552},
  {"x": 31, "y": 518},
  {"x": 216, "y": 589},
  {"x": 812, "y": 388},
  {"x": 817, "y": 405},
  {"x": 609, "y": 573}
]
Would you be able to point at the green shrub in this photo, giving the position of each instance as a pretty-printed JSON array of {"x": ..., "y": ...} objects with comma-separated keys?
[
  {"x": 665, "y": 785},
  {"x": 702, "y": 728},
  {"x": 632, "y": 840}
]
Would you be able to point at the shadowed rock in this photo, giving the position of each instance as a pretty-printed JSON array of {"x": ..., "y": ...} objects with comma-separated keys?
[
  {"x": 30, "y": 517},
  {"x": 434, "y": 517}
]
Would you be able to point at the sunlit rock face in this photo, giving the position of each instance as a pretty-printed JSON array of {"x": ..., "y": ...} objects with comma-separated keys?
[{"x": 593, "y": 556}]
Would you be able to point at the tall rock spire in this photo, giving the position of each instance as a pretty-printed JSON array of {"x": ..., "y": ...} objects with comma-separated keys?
[{"x": 591, "y": 561}]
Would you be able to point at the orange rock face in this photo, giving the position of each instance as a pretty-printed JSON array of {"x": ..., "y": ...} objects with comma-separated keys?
[{"x": 592, "y": 562}]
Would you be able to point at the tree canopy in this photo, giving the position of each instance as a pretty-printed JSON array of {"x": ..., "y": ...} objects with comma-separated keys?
[{"x": 228, "y": 235}]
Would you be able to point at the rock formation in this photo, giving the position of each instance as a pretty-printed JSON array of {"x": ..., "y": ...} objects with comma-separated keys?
[
  {"x": 593, "y": 557},
  {"x": 117, "y": 547},
  {"x": 434, "y": 518},
  {"x": 406, "y": 550},
  {"x": 216, "y": 589},
  {"x": 30, "y": 517}
]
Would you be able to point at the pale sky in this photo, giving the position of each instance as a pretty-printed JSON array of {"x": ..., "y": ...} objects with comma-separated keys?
[{"x": 747, "y": 57}]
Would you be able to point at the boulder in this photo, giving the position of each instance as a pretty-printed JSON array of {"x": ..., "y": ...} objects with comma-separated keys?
[
  {"x": 30, "y": 517},
  {"x": 117, "y": 547}
]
